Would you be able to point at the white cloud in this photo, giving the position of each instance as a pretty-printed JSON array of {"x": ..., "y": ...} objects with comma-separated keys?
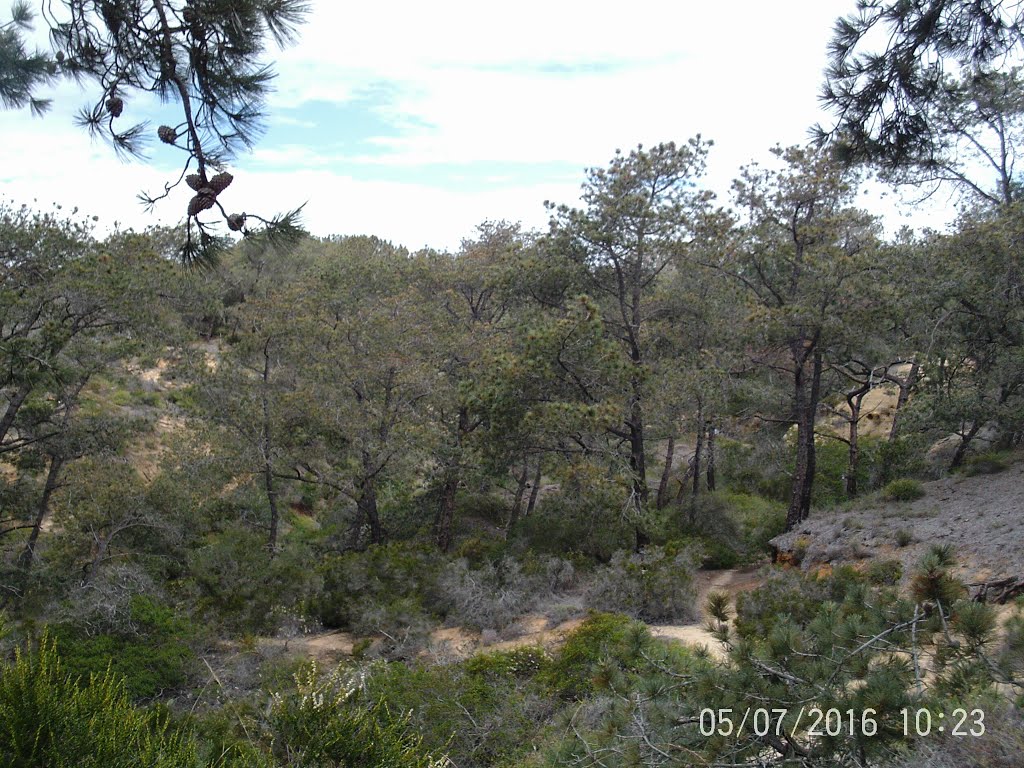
[{"x": 528, "y": 83}]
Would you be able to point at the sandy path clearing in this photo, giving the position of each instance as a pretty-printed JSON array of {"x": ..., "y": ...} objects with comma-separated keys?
[
  {"x": 452, "y": 643},
  {"x": 732, "y": 581}
]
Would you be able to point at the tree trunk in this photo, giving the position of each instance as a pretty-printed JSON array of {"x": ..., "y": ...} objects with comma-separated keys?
[
  {"x": 905, "y": 386},
  {"x": 637, "y": 460},
  {"x": 805, "y": 406},
  {"x": 965, "y": 442},
  {"x": 522, "y": 480},
  {"x": 446, "y": 508},
  {"x": 711, "y": 458},
  {"x": 445, "y": 514},
  {"x": 698, "y": 452},
  {"x": 367, "y": 502},
  {"x": 266, "y": 446},
  {"x": 535, "y": 491},
  {"x": 662, "y": 499},
  {"x": 28, "y": 555},
  {"x": 275, "y": 515},
  {"x": 13, "y": 406},
  {"x": 93, "y": 566},
  {"x": 853, "y": 459}
]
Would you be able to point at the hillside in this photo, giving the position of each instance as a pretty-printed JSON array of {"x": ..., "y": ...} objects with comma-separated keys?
[{"x": 980, "y": 517}]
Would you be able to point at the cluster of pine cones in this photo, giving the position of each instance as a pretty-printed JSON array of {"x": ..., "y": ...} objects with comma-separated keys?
[{"x": 206, "y": 195}]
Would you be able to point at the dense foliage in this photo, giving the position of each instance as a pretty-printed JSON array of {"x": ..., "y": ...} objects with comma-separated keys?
[{"x": 543, "y": 433}]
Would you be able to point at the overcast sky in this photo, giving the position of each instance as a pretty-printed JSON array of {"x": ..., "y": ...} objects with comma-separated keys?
[{"x": 417, "y": 121}]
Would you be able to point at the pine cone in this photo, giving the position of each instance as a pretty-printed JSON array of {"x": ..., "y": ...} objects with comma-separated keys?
[
  {"x": 195, "y": 181},
  {"x": 198, "y": 204},
  {"x": 236, "y": 221},
  {"x": 167, "y": 134},
  {"x": 115, "y": 106},
  {"x": 221, "y": 181}
]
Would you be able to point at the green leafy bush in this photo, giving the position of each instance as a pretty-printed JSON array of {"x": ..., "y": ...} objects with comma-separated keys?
[
  {"x": 654, "y": 585},
  {"x": 603, "y": 642},
  {"x": 756, "y": 468},
  {"x": 884, "y": 572},
  {"x": 904, "y": 489},
  {"x": 587, "y": 521},
  {"x": 524, "y": 662},
  {"x": 730, "y": 528},
  {"x": 49, "y": 717},
  {"x": 904, "y": 457},
  {"x": 357, "y": 586},
  {"x": 156, "y": 657},
  {"x": 835, "y": 640},
  {"x": 318, "y": 724},
  {"x": 243, "y": 587},
  {"x": 480, "y": 712},
  {"x": 987, "y": 463}
]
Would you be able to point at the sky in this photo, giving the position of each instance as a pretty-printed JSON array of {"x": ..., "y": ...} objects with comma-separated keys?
[{"x": 416, "y": 122}]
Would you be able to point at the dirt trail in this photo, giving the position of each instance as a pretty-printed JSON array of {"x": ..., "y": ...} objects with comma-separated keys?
[
  {"x": 732, "y": 581},
  {"x": 453, "y": 643}
]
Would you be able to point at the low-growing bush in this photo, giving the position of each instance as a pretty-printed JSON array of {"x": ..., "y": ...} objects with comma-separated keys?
[
  {"x": 358, "y": 586},
  {"x": 904, "y": 489},
  {"x": 50, "y": 717},
  {"x": 493, "y": 595},
  {"x": 729, "y": 528},
  {"x": 481, "y": 712},
  {"x": 987, "y": 463},
  {"x": 603, "y": 639},
  {"x": 319, "y": 724},
  {"x": 154, "y": 658},
  {"x": 654, "y": 585},
  {"x": 584, "y": 516},
  {"x": 243, "y": 587},
  {"x": 884, "y": 572}
]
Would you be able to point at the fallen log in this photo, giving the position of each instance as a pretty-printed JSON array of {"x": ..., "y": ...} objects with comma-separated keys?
[{"x": 998, "y": 591}]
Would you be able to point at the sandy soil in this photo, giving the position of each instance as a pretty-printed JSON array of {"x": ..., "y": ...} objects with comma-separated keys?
[
  {"x": 981, "y": 517},
  {"x": 453, "y": 643}
]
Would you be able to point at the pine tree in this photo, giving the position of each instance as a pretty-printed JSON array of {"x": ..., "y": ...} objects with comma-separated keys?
[
  {"x": 206, "y": 56},
  {"x": 938, "y": 103}
]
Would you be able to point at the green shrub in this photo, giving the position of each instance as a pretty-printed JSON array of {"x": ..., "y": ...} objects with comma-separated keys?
[
  {"x": 243, "y": 587},
  {"x": 884, "y": 572},
  {"x": 51, "y": 718},
  {"x": 654, "y": 585},
  {"x": 319, "y": 725},
  {"x": 904, "y": 538},
  {"x": 576, "y": 519},
  {"x": 730, "y": 528},
  {"x": 1011, "y": 655},
  {"x": 359, "y": 586},
  {"x": 759, "y": 519},
  {"x": 155, "y": 658},
  {"x": 904, "y": 489},
  {"x": 603, "y": 639},
  {"x": 756, "y": 469},
  {"x": 904, "y": 457},
  {"x": 525, "y": 662},
  {"x": 480, "y": 549},
  {"x": 480, "y": 712},
  {"x": 987, "y": 463}
]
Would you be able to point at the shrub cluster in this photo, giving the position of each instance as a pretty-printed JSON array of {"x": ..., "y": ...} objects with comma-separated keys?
[{"x": 655, "y": 585}]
